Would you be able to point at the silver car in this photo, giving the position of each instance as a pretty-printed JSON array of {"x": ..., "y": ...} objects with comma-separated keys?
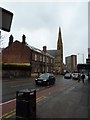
[{"x": 75, "y": 76}]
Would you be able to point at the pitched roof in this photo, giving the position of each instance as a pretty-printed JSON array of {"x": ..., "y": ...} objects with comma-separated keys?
[
  {"x": 52, "y": 52},
  {"x": 39, "y": 51},
  {"x": 34, "y": 49}
]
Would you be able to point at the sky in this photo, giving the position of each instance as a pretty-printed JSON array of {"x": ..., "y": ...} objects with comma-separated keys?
[{"x": 40, "y": 22}]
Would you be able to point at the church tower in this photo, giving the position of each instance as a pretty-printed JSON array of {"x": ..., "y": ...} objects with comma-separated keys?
[
  {"x": 59, "y": 42},
  {"x": 59, "y": 55}
]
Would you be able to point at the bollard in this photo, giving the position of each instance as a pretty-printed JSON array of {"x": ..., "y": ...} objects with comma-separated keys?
[{"x": 26, "y": 105}]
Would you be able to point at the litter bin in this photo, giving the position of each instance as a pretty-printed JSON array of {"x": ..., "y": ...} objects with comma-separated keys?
[{"x": 25, "y": 105}]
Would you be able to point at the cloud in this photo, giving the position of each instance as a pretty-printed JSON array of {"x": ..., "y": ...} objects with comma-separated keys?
[{"x": 40, "y": 22}]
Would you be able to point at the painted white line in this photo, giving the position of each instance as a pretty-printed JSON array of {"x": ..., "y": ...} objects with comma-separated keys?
[
  {"x": 7, "y": 102},
  {"x": 15, "y": 99}
]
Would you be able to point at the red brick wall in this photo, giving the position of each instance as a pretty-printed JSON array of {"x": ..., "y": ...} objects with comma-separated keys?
[
  {"x": 21, "y": 53},
  {"x": 16, "y": 53}
]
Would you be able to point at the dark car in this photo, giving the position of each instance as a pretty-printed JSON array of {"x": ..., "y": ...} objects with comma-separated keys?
[
  {"x": 45, "y": 79},
  {"x": 67, "y": 76}
]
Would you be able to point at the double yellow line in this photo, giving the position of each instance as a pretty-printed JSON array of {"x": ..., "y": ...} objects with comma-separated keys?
[
  {"x": 13, "y": 112},
  {"x": 38, "y": 100},
  {"x": 8, "y": 115}
]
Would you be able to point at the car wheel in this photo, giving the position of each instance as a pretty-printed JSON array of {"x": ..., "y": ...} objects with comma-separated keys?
[
  {"x": 36, "y": 84},
  {"x": 53, "y": 82},
  {"x": 48, "y": 83}
]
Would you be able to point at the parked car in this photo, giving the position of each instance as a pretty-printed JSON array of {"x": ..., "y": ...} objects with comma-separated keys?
[
  {"x": 45, "y": 79},
  {"x": 67, "y": 76},
  {"x": 75, "y": 76}
]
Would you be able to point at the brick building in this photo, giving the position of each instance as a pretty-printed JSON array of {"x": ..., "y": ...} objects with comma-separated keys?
[
  {"x": 71, "y": 63},
  {"x": 22, "y": 53},
  {"x": 88, "y": 59}
]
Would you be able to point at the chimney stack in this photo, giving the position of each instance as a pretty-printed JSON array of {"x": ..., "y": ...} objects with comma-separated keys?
[
  {"x": 23, "y": 39},
  {"x": 44, "y": 49},
  {"x": 10, "y": 40}
]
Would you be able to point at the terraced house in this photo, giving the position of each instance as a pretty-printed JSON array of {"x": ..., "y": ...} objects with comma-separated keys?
[{"x": 20, "y": 53}]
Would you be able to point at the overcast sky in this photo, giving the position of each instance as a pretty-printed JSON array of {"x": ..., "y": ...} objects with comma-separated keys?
[{"x": 40, "y": 22}]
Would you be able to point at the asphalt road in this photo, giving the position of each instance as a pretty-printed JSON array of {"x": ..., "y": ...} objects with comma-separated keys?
[
  {"x": 66, "y": 99},
  {"x": 10, "y": 86}
]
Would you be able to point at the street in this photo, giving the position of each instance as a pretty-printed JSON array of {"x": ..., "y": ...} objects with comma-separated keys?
[
  {"x": 66, "y": 99},
  {"x": 10, "y": 86}
]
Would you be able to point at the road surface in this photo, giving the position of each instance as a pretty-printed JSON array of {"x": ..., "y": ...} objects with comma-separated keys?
[{"x": 66, "y": 99}]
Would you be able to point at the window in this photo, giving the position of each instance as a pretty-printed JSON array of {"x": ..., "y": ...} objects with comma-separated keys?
[
  {"x": 51, "y": 60},
  {"x": 51, "y": 69},
  {"x": 43, "y": 58},
  {"x": 47, "y": 60},
  {"x": 35, "y": 69},
  {"x": 40, "y": 58},
  {"x": 47, "y": 68},
  {"x": 43, "y": 69},
  {"x": 35, "y": 57}
]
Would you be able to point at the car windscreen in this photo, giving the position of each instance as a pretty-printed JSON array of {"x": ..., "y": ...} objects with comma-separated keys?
[
  {"x": 67, "y": 74},
  {"x": 45, "y": 76},
  {"x": 75, "y": 74}
]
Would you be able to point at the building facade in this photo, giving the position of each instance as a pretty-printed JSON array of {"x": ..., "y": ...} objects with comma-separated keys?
[
  {"x": 22, "y": 53},
  {"x": 58, "y": 55},
  {"x": 71, "y": 63},
  {"x": 88, "y": 59}
]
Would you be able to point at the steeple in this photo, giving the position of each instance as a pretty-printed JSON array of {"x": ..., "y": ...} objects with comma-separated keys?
[
  {"x": 60, "y": 49},
  {"x": 59, "y": 42}
]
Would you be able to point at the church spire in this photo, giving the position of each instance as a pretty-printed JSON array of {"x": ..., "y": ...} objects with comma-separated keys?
[{"x": 59, "y": 42}]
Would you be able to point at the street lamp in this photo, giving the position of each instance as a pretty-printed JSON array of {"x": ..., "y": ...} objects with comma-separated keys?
[{"x": 82, "y": 56}]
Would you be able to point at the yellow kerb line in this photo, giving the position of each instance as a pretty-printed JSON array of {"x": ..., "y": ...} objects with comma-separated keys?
[
  {"x": 6, "y": 114},
  {"x": 40, "y": 99},
  {"x": 12, "y": 113}
]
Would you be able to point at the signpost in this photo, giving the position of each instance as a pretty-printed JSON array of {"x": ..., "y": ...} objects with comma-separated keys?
[
  {"x": 5, "y": 19},
  {"x": 5, "y": 24}
]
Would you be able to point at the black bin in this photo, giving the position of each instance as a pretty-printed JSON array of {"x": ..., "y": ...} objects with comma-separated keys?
[{"x": 25, "y": 105}]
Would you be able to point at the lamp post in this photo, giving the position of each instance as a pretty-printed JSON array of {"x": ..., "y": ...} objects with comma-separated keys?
[{"x": 82, "y": 56}]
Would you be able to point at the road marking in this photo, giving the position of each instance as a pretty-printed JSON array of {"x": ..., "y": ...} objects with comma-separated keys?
[
  {"x": 8, "y": 113},
  {"x": 13, "y": 112},
  {"x": 7, "y": 102},
  {"x": 40, "y": 99}
]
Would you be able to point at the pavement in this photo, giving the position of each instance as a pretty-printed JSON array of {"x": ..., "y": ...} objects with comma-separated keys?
[{"x": 73, "y": 103}]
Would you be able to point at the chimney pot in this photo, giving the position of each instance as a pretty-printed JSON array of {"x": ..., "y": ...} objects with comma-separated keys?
[
  {"x": 45, "y": 49},
  {"x": 23, "y": 39},
  {"x": 10, "y": 40}
]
